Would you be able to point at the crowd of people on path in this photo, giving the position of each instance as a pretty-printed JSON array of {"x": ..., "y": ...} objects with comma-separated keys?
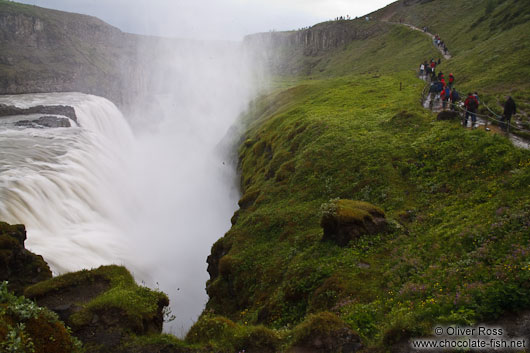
[
  {"x": 439, "y": 43},
  {"x": 444, "y": 90}
]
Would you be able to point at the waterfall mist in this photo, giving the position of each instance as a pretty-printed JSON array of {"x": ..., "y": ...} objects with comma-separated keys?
[
  {"x": 151, "y": 189},
  {"x": 191, "y": 94}
]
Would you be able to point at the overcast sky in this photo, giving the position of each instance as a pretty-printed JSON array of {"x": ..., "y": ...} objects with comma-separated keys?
[{"x": 212, "y": 19}]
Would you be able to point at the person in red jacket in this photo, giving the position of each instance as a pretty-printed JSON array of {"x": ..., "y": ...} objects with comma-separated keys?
[
  {"x": 444, "y": 96},
  {"x": 451, "y": 80},
  {"x": 471, "y": 104}
]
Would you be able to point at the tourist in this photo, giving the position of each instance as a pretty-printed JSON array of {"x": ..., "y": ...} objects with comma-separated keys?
[
  {"x": 509, "y": 110},
  {"x": 455, "y": 98},
  {"x": 444, "y": 95},
  {"x": 471, "y": 105}
]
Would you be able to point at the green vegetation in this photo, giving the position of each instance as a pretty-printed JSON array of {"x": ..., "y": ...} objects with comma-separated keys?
[
  {"x": 460, "y": 198},
  {"x": 458, "y": 250},
  {"x": 346, "y": 138},
  {"x": 489, "y": 41},
  {"x": 221, "y": 334},
  {"x": 136, "y": 304},
  {"x": 25, "y": 327}
]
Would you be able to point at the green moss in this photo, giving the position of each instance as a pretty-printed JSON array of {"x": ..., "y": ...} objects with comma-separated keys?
[
  {"x": 209, "y": 329},
  {"x": 135, "y": 304},
  {"x": 114, "y": 275},
  {"x": 323, "y": 324},
  {"x": 342, "y": 143},
  {"x": 225, "y": 335},
  {"x": 248, "y": 198},
  {"x": 328, "y": 294},
  {"x": 227, "y": 266},
  {"x": 157, "y": 343},
  {"x": 258, "y": 339},
  {"x": 348, "y": 210}
]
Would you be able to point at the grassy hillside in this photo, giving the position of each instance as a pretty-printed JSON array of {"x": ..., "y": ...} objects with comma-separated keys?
[
  {"x": 490, "y": 40},
  {"x": 456, "y": 199}
]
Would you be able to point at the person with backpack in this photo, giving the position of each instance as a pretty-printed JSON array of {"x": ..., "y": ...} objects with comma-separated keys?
[
  {"x": 455, "y": 98},
  {"x": 471, "y": 105},
  {"x": 509, "y": 110}
]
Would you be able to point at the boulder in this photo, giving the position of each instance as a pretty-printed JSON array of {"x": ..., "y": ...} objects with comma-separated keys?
[
  {"x": 448, "y": 115},
  {"x": 346, "y": 220},
  {"x": 20, "y": 267},
  {"x": 103, "y": 307},
  {"x": 324, "y": 332}
]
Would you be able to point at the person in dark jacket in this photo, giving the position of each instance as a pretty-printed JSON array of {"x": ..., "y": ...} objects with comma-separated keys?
[
  {"x": 471, "y": 105},
  {"x": 509, "y": 110},
  {"x": 455, "y": 97}
]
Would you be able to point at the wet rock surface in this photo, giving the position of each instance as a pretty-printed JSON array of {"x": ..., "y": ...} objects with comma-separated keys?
[
  {"x": 45, "y": 121},
  {"x": 52, "y": 110},
  {"x": 18, "y": 266}
]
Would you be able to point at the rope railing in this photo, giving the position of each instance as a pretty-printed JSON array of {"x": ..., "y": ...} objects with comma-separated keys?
[
  {"x": 496, "y": 117},
  {"x": 486, "y": 117}
]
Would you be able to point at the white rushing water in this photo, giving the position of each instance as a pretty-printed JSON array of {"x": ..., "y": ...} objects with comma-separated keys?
[
  {"x": 154, "y": 200},
  {"x": 60, "y": 182}
]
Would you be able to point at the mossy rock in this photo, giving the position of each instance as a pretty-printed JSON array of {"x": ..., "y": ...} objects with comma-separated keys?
[
  {"x": 448, "y": 115},
  {"x": 104, "y": 305},
  {"x": 211, "y": 328},
  {"x": 324, "y": 332},
  {"x": 403, "y": 119},
  {"x": 258, "y": 339},
  {"x": 346, "y": 220},
  {"x": 20, "y": 267},
  {"x": 219, "y": 249},
  {"x": 248, "y": 198},
  {"x": 227, "y": 266},
  {"x": 163, "y": 343},
  {"x": 327, "y": 295}
]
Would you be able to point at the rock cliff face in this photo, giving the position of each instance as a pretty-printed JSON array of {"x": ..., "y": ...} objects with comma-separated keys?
[
  {"x": 287, "y": 52},
  {"x": 46, "y": 51},
  {"x": 18, "y": 266}
]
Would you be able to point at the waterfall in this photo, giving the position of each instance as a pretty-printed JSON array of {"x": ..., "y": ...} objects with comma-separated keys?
[
  {"x": 96, "y": 193},
  {"x": 60, "y": 182}
]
